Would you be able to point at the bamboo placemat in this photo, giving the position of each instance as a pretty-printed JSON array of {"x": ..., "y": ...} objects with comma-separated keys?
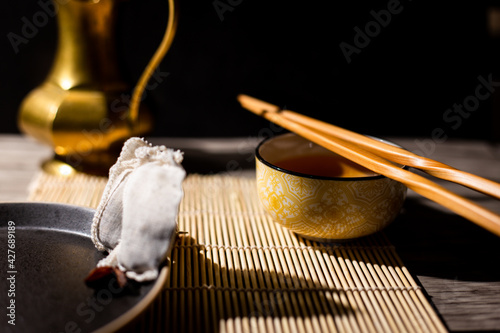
[{"x": 235, "y": 270}]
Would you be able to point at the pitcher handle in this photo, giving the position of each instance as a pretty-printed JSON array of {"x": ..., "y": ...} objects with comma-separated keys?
[{"x": 165, "y": 44}]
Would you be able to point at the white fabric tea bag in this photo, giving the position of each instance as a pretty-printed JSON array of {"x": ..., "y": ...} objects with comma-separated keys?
[{"x": 136, "y": 221}]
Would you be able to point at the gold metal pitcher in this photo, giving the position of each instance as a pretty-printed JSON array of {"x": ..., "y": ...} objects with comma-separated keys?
[{"x": 74, "y": 109}]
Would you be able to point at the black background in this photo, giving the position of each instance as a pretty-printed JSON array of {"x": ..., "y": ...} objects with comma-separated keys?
[{"x": 428, "y": 58}]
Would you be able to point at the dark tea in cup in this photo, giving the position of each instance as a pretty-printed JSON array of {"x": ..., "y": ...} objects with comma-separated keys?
[{"x": 324, "y": 166}]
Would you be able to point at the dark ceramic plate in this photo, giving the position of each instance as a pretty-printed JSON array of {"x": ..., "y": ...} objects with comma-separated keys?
[{"x": 45, "y": 254}]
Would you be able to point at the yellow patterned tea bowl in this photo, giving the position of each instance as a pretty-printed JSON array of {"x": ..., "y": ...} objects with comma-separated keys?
[{"x": 321, "y": 196}]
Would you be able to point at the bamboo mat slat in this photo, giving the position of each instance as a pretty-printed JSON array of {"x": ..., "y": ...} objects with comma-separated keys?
[{"x": 235, "y": 270}]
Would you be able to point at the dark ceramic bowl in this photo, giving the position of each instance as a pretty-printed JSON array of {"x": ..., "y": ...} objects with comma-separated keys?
[{"x": 46, "y": 254}]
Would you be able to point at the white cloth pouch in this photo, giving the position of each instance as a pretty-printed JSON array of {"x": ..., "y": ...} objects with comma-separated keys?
[{"x": 136, "y": 221}]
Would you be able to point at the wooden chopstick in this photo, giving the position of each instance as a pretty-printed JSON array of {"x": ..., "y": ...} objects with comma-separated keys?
[
  {"x": 378, "y": 164},
  {"x": 385, "y": 150}
]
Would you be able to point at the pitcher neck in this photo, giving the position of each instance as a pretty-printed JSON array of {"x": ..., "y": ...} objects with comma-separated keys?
[{"x": 86, "y": 55}]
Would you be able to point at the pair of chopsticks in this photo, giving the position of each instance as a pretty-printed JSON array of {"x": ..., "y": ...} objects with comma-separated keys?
[{"x": 386, "y": 159}]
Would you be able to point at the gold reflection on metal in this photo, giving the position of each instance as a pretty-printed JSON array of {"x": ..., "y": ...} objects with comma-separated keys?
[
  {"x": 55, "y": 167},
  {"x": 79, "y": 108}
]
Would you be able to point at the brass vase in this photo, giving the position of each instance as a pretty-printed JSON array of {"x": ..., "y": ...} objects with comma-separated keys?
[{"x": 80, "y": 109}]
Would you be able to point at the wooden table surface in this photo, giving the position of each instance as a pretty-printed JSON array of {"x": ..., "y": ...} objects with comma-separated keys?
[{"x": 457, "y": 263}]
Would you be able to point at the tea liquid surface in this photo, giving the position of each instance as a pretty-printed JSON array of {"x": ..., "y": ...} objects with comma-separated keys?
[{"x": 325, "y": 166}]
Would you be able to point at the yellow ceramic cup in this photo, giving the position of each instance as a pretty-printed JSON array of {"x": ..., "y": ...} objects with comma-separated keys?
[{"x": 322, "y": 208}]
